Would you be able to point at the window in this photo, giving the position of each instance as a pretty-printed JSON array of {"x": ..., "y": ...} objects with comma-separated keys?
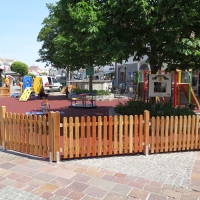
[{"x": 54, "y": 80}]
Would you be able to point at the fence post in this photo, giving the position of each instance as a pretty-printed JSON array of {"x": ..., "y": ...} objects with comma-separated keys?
[
  {"x": 50, "y": 129},
  {"x": 3, "y": 127},
  {"x": 54, "y": 136},
  {"x": 57, "y": 136},
  {"x": 146, "y": 132}
]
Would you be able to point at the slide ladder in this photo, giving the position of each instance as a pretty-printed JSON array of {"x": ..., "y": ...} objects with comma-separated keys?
[{"x": 26, "y": 94}]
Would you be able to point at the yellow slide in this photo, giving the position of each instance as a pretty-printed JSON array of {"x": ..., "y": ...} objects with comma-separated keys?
[{"x": 26, "y": 94}]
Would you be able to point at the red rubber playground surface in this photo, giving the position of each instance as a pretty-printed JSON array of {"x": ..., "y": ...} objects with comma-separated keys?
[{"x": 58, "y": 103}]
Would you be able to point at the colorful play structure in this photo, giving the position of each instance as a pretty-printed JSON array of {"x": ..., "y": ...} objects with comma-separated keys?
[
  {"x": 31, "y": 88},
  {"x": 180, "y": 85}
]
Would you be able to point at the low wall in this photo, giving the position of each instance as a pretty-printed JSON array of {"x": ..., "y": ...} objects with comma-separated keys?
[
  {"x": 96, "y": 84},
  {"x": 100, "y": 98}
]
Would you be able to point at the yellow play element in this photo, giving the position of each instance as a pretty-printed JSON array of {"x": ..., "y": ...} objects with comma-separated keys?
[
  {"x": 26, "y": 94},
  {"x": 184, "y": 88},
  {"x": 37, "y": 85}
]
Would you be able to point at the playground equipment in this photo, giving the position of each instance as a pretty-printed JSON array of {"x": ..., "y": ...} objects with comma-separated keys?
[
  {"x": 35, "y": 88},
  {"x": 179, "y": 84},
  {"x": 45, "y": 106}
]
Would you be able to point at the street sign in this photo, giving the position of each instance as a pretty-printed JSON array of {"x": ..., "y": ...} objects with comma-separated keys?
[
  {"x": 89, "y": 71},
  {"x": 129, "y": 73}
]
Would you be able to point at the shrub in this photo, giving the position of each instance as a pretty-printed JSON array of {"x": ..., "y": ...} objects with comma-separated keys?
[{"x": 160, "y": 109}]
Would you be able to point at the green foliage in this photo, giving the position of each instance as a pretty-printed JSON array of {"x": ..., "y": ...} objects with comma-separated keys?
[
  {"x": 160, "y": 109},
  {"x": 97, "y": 92},
  {"x": 19, "y": 67},
  {"x": 30, "y": 74}
]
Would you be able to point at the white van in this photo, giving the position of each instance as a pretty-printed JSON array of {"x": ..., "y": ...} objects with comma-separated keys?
[{"x": 50, "y": 83}]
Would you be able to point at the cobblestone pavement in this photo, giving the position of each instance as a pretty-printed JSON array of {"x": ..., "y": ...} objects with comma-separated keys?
[{"x": 154, "y": 177}]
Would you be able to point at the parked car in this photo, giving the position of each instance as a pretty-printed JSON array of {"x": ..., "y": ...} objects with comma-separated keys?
[{"x": 50, "y": 83}]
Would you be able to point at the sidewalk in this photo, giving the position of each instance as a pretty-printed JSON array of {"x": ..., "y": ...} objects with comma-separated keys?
[{"x": 153, "y": 177}]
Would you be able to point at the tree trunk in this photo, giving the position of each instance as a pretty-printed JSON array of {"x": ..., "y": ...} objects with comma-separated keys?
[
  {"x": 90, "y": 84},
  {"x": 68, "y": 77}
]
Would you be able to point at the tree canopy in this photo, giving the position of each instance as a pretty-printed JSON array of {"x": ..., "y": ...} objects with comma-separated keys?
[
  {"x": 97, "y": 32},
  {"x": 19, "y": 67}
]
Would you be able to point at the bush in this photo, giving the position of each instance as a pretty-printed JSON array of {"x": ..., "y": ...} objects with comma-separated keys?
[
  {"x": 160, "y": 109},
  {"x": 97, "y": 92}
]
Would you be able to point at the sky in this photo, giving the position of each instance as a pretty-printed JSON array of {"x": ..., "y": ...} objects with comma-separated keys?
[{"x": 20, "y": 24}]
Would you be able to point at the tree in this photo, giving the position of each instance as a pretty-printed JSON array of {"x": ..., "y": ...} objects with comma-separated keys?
[
  {"x": 166, "y": 31},
  {"x": 20, "y": 68}
]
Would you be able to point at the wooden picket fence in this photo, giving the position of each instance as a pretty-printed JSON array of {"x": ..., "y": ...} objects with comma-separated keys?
[{"x": 96, "y": 136}]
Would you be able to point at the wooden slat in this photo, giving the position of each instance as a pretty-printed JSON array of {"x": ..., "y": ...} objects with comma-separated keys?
[
  {"x": 40, "y": 135},
  {"x": 14, "y": 131},
  {"x": 136, "y": 134},
  {"x": 82, "y": 136},
  {"x": 71, "y": 146},
  {"x": 7, "y": 134},
  {"x": 188, "y": 132},
  {"x": 100, "y": 136},
  {"x": 126, "y": 134},
  {"x": 184, "y": 132},
  {"x": 157, "y": 134},
  {"x": 44, "y": 125},
  {"x": 146, "y": 131},
  {"x": 35, "y": 124},
  {"x": 167, "y": 134},
  {"x": 196, "y": 131},
  {"x": 110, "y": 124},
  {"x": 27, "y": 134},
  {"x": 65, "y": 138},
  {"x": 175, "y": 133},
  {"x": 94, "y": 149},
  {"x": 57, "y": 134},
  {"x": 131, "y": 134},
  {"x": 192, "y": 132},
  {"x": 105, "y": 122},
  {"x": 31, "y": 133},
  {"x": 88, "y": 137},
  {"x": 115, "y": 134},
  {"x": 153, "y": 134},
  {"x": 141, "y": 132},
  {"x": 171, "y": 133},
  {"x": 121, "y": 134},
  {"x": 23, "y": 147},
  {"x": 10, "y": 133},
  {"x": 162, "y": 138},
  {"x": 77, "y": 148},
  {"x": 180, "y": 127},
  {"x": 18, "y": 132}
]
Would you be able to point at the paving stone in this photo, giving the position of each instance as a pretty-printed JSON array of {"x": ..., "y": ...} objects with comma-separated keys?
[
  {"x": 81, "y": 178},
  {"x": 95, "y": 192},
  {"x": 152, "y": 188},
  {"x": 122, "y": 189},
  {"x": 77, "y": 186},
  {"x": 7, "y": 165},
  {"x": 112, "y": 196},
  {"x": 101, "y": 183},
  {"x": 153, "y": 196},
  {"x": 171, "y": 193},
  {"x": 49, "y": 187},
  {"x": 75, "y": 195},
  {"x": 63, "y": 191},
  {"x": 137, "y": 193},
  {"x": 44, "y": 177}
]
